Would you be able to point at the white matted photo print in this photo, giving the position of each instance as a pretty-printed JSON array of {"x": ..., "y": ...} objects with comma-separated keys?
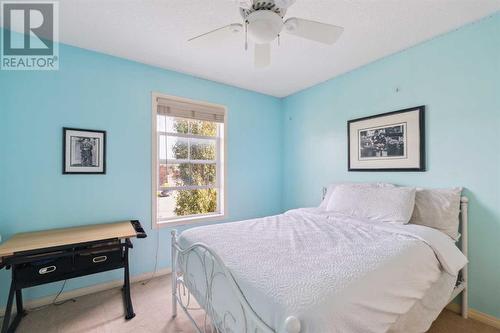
[
  {"x": 84, "y": 151},
  {"x": 393, "y": 141}
]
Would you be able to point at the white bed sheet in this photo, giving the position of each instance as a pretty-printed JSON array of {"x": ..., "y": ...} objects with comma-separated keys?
[
  {"x": 333, "y": 273},
  {"x": 420, "y": 317}
]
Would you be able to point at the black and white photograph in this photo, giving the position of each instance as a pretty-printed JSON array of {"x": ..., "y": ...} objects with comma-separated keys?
[
  {"x": 382, "y": 142},
  {"x": 392, "y": 141},
  {"x": 84, "y": 151}
]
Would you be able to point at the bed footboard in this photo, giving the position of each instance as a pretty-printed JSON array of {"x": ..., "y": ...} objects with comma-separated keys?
[{"x": 199, "y": 274}]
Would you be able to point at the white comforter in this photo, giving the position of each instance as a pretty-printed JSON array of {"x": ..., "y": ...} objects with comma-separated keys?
[{"x": 333, "y": 273}]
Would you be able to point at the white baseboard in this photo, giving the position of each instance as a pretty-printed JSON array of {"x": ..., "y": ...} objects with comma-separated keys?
[
  {"x": 36, "y": 303},
  {"x": 476, "y": 315}
]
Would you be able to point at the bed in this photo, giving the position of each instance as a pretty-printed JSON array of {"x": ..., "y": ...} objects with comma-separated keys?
[{"x": 310, "y": 271}]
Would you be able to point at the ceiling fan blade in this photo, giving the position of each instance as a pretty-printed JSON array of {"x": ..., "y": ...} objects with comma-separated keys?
[
  {"x": 284, "y": 3},
  {"x": 317, "y": 31},
  {"x": 247, "y": 4},
  {"x": 219, "y": 34},
  {"x": 262, "y": 55}
]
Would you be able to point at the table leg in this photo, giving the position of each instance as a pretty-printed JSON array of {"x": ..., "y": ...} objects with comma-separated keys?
[
  {"x": 15, "y": 322},
  {"x": 126, "y": 290},
  {"x": 19, "y": 303},
  {"x": 20, "y": 311},
  {"x": 8, "y": 309}
]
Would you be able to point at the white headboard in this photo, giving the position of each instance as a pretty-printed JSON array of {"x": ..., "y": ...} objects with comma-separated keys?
[
  {"x": 464, "y": 247},
  {"x": 464, "y": 222}
]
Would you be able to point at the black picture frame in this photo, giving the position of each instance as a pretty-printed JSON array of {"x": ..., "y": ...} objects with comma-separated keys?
[
  {"x": 74, "y": 170},
  {"x": 421, "y": 133}
]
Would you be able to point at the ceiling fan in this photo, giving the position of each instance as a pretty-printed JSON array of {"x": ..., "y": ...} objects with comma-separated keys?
[{"x": 263, "y": 22}]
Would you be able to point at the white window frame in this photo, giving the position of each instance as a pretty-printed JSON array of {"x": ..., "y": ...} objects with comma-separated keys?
[{"x": 221, "y": 163}]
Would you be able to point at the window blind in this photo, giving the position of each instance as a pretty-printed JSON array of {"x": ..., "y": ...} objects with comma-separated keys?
[{"x": 190, "y": 110}]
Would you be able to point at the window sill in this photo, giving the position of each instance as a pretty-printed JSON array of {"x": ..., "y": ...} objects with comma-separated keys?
[{"x": 190, "y": 220}]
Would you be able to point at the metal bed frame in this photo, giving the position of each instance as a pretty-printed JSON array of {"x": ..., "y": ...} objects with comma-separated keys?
[
  {"x": 463, "y": 278},
  {"x": 224, "y": 320}
]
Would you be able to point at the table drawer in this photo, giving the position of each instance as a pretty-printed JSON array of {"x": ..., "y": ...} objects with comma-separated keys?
[
  {"x": 98, "y": 258},
  {"x": 44, "y": 270}
]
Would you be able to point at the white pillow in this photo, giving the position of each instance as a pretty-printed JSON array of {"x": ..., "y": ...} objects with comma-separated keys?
[
  {"x": 383, "y": 204},
  {"x": 438, "y": 209},
  {"x": 331, "y": 187}
]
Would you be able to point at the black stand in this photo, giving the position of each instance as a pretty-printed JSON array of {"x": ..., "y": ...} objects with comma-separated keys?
[
  {"x": 42, "y": 266},
  {"x": 8, "y": 311},
  {"x": 126, "y": 288}
]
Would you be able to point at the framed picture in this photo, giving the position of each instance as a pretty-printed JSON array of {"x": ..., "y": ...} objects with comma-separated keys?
[
  {"x": 84, "y": 151},
  {"x": 393, "y": 141}
]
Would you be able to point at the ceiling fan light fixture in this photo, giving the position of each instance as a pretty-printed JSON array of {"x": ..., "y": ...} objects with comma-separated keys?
[{"x": 264, "y": 26}]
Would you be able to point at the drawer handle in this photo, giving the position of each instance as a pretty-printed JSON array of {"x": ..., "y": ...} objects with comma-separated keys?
[
  {"x": 46, "y": 270},
  {"x": 99, "y": 259}
]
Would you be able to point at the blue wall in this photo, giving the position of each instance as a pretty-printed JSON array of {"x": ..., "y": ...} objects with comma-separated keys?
[
  {"x": 96, "y": 91},
  {"x": 457, "y": 76}
]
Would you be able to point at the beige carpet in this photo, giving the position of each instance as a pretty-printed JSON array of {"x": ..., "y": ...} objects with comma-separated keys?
[{"x": 103, "y": 312}]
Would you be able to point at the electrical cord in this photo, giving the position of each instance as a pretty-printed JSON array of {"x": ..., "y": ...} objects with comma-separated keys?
[{"x": 54, "y": 301}]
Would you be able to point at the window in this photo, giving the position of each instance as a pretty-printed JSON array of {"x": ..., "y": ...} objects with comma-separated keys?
[{"x": 189, "y": 146}]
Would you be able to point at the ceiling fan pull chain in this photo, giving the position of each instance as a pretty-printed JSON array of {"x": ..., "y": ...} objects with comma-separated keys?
[{"x": 279, "y": 40}]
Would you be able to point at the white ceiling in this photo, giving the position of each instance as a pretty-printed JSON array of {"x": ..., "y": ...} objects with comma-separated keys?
[{"x": 155, "y": 32}]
